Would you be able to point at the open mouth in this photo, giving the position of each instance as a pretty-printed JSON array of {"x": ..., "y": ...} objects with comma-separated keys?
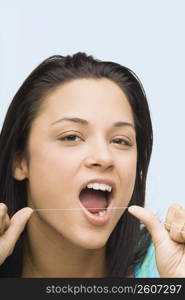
[{"x": 95, "y": 201}]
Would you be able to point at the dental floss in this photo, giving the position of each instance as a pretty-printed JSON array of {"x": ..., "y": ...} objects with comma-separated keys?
[{"x": 78, "y": 208}]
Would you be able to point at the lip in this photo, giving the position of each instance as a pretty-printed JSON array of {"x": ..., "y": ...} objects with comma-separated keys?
[
  {"x": 94, "y": 219},
  {"x": 99, "y": 180}
]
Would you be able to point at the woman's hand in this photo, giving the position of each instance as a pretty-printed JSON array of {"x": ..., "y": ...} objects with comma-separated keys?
[
  {"x": 10, "y": 229},
  {"x": 168, "y": 238}
]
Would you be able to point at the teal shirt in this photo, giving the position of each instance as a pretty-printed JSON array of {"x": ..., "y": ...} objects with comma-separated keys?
[{"x": 148, "y": 267}]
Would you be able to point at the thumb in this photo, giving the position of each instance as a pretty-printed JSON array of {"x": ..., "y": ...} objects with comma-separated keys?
[
  {"x": 17, "y": 224},
  {"x": 151, "y": 222}
]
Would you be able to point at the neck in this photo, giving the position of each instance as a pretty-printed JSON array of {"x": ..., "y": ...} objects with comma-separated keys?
[{"x": 48, "y": 254}]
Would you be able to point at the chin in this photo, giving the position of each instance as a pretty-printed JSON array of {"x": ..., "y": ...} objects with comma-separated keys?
[
  {"x": 92, "y": 245},
  {"x": 91, "y": 242}
]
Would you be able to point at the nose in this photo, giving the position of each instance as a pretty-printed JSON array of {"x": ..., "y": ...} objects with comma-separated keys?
[{"x": 100, "y": 157}]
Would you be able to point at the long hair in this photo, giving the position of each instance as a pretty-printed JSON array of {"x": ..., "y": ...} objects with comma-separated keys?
[{"x": 124, "y": 247}]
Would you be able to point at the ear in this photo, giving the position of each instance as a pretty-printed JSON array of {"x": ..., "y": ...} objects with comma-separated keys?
[{"x": 20, "y": 168}]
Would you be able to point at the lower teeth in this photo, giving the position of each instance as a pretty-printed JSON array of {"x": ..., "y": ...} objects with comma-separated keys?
[{"x": 101, "y": 213}]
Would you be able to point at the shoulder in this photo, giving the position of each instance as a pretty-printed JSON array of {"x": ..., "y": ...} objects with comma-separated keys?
[{"x": 148, "y": 267}]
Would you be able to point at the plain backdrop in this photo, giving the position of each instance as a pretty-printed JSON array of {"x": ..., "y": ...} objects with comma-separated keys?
[{"x": 144, "y": 35}]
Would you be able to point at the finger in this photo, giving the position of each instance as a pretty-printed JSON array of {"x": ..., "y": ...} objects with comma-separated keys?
[
  {"x": 5, "y": 224},
  {"x": 170, "y": 215},
  {"x": 156, "y": 229},
  {"x": 3, "y": 213},
  {"x": 17, "y": 225},
  {"x": 176, "y": 231},
  {"x": 183, "y": 232},
  {"x": 3, "y": 207}
]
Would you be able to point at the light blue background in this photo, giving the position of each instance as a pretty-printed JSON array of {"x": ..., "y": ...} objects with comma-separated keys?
[{"x": 146, "y": 36}]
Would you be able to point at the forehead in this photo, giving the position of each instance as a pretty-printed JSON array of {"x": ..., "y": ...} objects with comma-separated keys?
[{"x": 97, "y": 100}]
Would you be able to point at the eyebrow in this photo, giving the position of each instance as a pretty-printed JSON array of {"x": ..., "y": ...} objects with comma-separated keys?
[{"x": 85, "y": 122}]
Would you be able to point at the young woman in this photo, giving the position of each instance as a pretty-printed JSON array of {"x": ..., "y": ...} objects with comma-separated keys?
[{"x": 74, "y": 153}]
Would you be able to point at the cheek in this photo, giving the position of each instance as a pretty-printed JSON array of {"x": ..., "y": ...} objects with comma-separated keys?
[
  {"x": 127, "y": 171},
  {"x": 51, "y": 162},
  {"x": 50, "y": 173},
  {"x": 127, "y": 174},
  {"x": 128, "y": 165}
]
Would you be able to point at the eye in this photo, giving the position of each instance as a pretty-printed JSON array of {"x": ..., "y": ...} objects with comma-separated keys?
[
  {"x": 71, "y": 137},
  {"x": 122, "y": 142}
]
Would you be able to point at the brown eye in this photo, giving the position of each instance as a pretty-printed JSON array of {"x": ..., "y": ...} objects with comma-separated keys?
[
  {"x": 122, "y": 142},
  {"x": 71, "y": 137}
]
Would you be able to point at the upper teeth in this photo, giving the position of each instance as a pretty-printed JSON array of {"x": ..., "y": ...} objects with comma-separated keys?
[{"x": 100, "y": 186}]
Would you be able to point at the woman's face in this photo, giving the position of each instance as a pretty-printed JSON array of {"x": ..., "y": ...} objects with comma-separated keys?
[{"x": 64, "y": 155}]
